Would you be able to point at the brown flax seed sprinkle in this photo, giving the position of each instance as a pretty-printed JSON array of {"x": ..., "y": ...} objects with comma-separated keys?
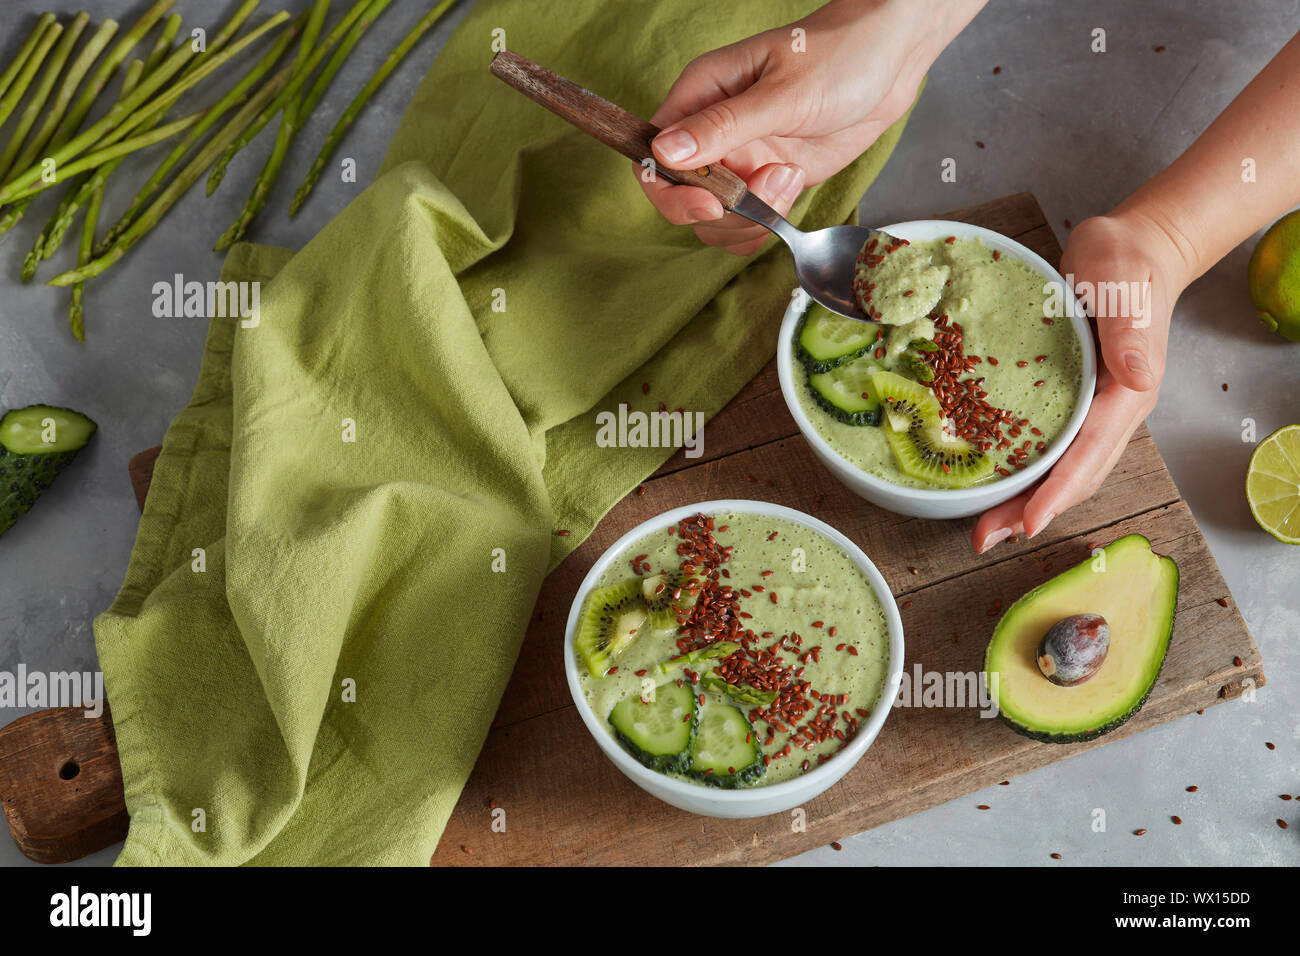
[
  {"x": 716, "y": 616},
  {"x": 963, "y": 400}
]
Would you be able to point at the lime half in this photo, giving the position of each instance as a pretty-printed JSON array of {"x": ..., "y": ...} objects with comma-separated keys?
[{"x": 1273, "y": 484}]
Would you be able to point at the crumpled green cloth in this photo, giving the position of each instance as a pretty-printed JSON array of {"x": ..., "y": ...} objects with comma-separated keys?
[{"x": 315, "y": 683}]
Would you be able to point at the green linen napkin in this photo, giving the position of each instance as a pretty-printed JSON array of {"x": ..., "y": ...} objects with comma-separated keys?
[{"x": 311, "y": 639}]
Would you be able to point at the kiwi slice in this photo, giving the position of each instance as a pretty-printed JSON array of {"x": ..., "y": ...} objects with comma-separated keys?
[
  {"x": 665, "y": 593},
  {"x": 913, "y": 423},
  {"x": 610, "y": 620},
  {"x": 905, "y": 404},
  {"x": 927, "y": 452}
]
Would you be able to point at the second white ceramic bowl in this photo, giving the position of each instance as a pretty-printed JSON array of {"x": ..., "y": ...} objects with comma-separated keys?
[
  {"x": 935, "y": 502},
  {"x": 759, "y": 800}
]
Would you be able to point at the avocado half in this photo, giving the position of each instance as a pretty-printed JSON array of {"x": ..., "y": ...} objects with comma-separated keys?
[{"x": 1136, "y": 594}]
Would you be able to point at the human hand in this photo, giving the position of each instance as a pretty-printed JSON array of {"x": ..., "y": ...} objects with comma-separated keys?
[
  {"x": 784, "y": 115},
  {"x": 1124, "y": 248}
]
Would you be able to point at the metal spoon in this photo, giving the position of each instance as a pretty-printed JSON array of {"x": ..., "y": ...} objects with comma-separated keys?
[{"x": 824, "y": 261}]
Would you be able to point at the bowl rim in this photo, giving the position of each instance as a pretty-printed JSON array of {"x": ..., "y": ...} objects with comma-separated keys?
[
  {"x": 922, "y": 230},
  {"x": 807, "y": 784}
]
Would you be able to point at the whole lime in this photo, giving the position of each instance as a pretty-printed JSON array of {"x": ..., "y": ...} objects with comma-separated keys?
[{"x": 1274, "y": 275}]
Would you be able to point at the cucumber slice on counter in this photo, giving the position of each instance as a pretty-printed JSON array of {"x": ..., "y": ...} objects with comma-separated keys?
[
  {"x": 827, "y": 340},
  {"x": 843, "y": 392},
  {"x": 658, "y": 733},
  {"x": 725, "y": 752},
  {"x": 36, "y": 443}
]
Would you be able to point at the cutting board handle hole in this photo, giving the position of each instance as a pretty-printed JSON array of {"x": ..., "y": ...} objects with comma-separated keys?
[{"x": 69, "y": 770}]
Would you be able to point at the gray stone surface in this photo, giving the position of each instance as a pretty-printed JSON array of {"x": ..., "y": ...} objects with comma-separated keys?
[{"x": 1078, "y": 129}]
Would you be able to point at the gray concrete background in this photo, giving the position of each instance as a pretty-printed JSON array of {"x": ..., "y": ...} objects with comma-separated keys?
[{"x": 1080, "y": 130}]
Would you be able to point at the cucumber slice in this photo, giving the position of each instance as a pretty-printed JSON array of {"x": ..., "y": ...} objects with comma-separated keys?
[
  {"x": 827, "y": 340},
  {"x": 843, "y": 391},
  {"x": 725, "y": 752},
  {"x": 42, "y": 429},
  {"x": 36, "y": 444},
  {"x": 658, "y": 733}
]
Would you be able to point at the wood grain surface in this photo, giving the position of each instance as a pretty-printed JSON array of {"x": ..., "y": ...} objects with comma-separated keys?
[{"x": 565, "y": 803}]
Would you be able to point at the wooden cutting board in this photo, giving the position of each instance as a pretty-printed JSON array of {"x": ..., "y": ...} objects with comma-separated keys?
[{"x": 562, "y": 802}]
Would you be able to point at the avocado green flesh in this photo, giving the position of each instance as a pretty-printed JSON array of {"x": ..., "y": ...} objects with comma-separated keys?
[{"x": 1136, "y": 593}]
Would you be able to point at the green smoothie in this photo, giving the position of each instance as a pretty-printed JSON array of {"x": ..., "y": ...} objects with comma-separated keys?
[
  {"x": 1028, "y": 365},
  {"x": 804, "y": 612}
]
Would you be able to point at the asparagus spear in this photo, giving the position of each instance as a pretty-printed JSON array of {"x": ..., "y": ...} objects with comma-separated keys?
[
  {"x": 24, "y": 79},
  {"x": 90, "y": 94},
  {"x": 331, "y": 40},
  {"x": 119, "y": 150},
  {"x": 68, "y": 210},
  {"x": 322, "y": 82},
  {"x": 139, "y": 100},
  {"x": 73, "y": 198},
  {"x": 218, "y": 43},
  {"x": 183, "y": 181},
  {"x": 283, "y": 138},
  {"x": 76, "y": 73},
  {"x": 76, "y": 314},
  {"x": 36, "y": 102},
  {"x": 24, "y": 52},
  {"x": 189, "y": 77},
  {"x": 104, "y": 72},
  {"x": 357, "y": 105},
  {"x": 162, "y": 47},
  {"x": 233, "y": 98}
]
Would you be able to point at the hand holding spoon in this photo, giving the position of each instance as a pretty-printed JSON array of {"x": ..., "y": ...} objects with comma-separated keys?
[{"x": 824, "y": 260}]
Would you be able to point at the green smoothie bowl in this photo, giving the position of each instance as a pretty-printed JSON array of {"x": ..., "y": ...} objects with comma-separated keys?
[
  {"x": 972, "y": 382},
  {"x": 734, "y": 658}
]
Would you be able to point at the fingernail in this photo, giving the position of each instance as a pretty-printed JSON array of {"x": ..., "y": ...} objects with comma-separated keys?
[
  {"x": 783, "y": 182},
  {"x": 996, "y": 538},
  {"x": 677, "y": 146},
  {"x": 701, "y": 214},
  {"x": 1136, "y": 363},
  {"x": 1042, "y": 524}
]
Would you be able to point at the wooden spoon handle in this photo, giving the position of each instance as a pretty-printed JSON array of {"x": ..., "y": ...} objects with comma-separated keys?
[{"x": 612, "y": 125}]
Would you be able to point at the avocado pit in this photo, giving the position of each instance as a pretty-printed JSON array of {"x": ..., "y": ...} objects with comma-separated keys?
[{"x": 1073, "y": 649}]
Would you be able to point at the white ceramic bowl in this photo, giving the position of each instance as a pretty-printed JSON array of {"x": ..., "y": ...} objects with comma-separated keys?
[
  {"x": 934, "y": 502},
  {"x": 759, "y": 800}
]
